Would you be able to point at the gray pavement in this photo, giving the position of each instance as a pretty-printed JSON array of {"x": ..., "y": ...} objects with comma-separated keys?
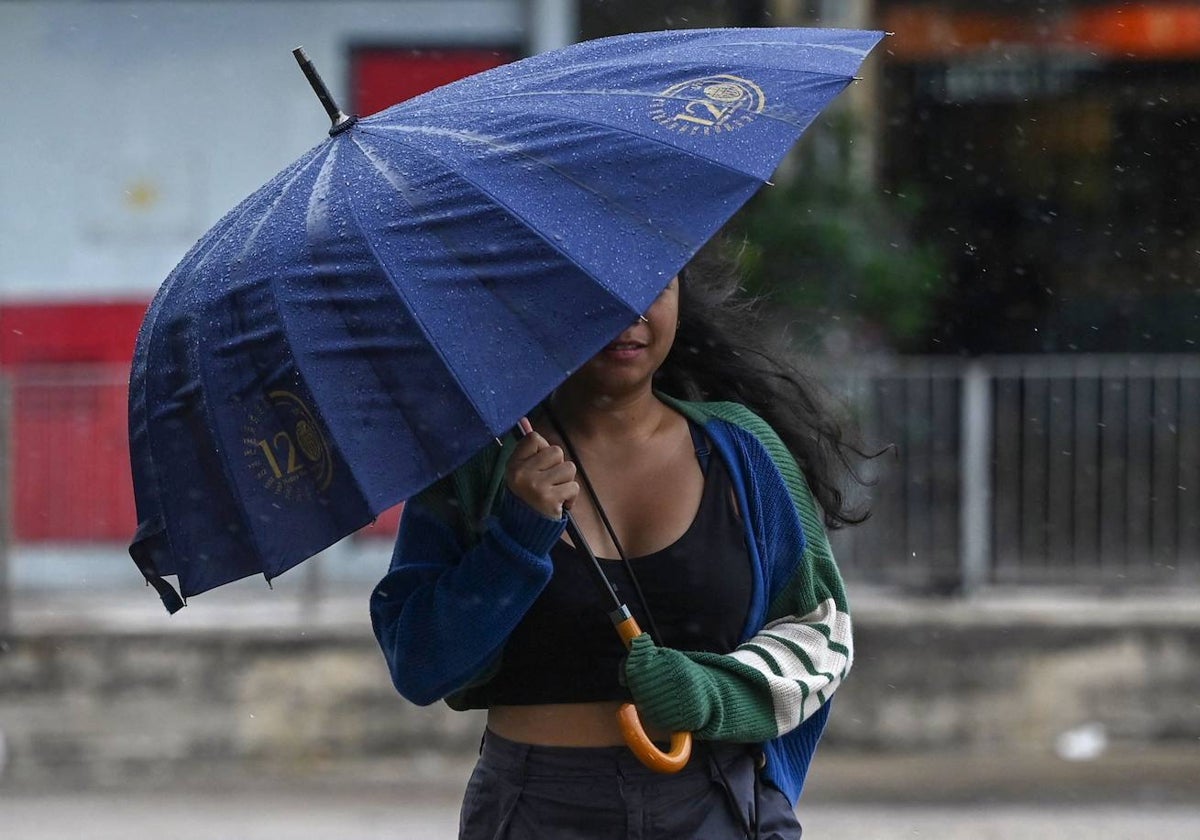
[
  {"x": 340, "y": 815},
  {"x": 1122, "y": 796},
  {"x": 1132, "y": 793}
]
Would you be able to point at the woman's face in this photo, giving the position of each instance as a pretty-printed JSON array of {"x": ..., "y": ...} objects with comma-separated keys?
[{"x": 630, "y": 362}]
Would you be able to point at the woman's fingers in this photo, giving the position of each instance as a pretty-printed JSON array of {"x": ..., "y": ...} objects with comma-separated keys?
[
  {"x": 570, "y": 491},
  {"x": 548, "y": 458},
  {"x": 540, "y": 474},
  {"x": 531, "y": 443},
  {"x": 561, "y": 479}
]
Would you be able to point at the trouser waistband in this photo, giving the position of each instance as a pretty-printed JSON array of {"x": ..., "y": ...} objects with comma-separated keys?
[{"x": 533, "y": 759}]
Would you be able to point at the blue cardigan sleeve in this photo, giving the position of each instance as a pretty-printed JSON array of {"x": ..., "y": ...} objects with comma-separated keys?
[{"x": 446, "y": 606}]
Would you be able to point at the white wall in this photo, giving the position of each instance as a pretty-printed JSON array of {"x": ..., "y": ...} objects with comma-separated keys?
[{"x": 129, "y": 128}]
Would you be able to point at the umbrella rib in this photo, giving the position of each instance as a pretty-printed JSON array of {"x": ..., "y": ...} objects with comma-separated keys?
[
  {"x": 493, "y": 143},
  {"x": 240, "y": 211},
  {"x": 508, "y": 209},
  {"x": 466, "y": 135},
  {"x": 759, "y": 66},
  {"x": 286, "y": 178},
  {"x": 388, "y": 174},
  {"x": 477, "y": 137},
  {"x": 459, "y": 103},
  {"x": 606, "y": 199},
  {"x": 233, "y": 217},
  {"x": 429, "y": 455},
  {"x": 358, "y": 485},
  {"x": 575, "y": 69}
]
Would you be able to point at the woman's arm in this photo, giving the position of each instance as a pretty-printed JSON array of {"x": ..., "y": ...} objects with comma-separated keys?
[
  {"x": 444, "y": 610},
  {"x": 765, "y": 688},
  {"x": 781, "y": 676}
]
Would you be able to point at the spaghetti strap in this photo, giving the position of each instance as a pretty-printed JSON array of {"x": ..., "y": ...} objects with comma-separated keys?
[{"x": 700, "y": 442}]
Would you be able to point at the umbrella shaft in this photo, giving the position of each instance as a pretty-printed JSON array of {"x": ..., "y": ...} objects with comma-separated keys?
[{"x": 601, "y": 578}]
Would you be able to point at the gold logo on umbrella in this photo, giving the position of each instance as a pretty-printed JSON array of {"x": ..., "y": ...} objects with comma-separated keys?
[
  {"x": 708, "y": 105},
  {"x": 285, "y": 448}
]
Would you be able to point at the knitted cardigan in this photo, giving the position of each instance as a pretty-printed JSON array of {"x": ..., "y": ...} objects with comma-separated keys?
[{"x": 471, "y": 558}]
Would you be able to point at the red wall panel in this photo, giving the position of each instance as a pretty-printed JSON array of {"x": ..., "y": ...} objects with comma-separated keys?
[
  {"x": 68, "y": 368},
  {"x": 382, "y": 76},
  {"x": 71, "y": 459},
  {"x": 53, "y": 333}
]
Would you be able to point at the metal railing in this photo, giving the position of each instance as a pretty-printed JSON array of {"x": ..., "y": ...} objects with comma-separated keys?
[
  {"x": 1013, "y": 470},
  {"x": 1039, "y": 469}
]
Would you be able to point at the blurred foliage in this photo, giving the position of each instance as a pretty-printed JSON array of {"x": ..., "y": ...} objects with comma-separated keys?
[{"x": 829, "y": 248}]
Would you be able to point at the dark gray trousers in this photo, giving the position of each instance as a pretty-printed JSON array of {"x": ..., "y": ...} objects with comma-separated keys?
[{"x": 522, "y": 792}]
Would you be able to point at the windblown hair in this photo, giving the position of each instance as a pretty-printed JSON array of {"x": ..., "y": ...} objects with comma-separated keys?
[{"x": 726, "y": 350}]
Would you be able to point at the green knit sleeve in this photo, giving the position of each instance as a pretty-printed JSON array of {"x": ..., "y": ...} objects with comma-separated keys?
[{"x": 712, "y": 696}]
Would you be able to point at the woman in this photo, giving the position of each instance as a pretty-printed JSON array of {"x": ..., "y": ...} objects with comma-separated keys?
[{"x": 719, "y": 520}]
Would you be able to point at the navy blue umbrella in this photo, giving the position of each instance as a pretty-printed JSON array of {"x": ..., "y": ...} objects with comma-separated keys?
[{"x": 409, "y": 288}]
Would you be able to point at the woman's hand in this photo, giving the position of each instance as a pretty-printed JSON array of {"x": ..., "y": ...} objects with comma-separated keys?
[{"x": 540, "y": 474}]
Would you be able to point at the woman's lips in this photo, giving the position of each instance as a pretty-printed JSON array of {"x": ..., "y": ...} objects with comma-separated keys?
[{"x": 622, "y": 350}]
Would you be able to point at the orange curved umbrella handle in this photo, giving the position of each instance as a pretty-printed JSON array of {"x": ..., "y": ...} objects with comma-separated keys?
[{"x": 647, "y": 752}]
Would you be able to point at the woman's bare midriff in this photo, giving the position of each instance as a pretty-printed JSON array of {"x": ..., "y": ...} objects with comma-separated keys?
[{"x": 561, "y": 724}]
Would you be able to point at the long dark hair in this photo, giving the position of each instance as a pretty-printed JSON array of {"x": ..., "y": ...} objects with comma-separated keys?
[{"x": 726, "y": 350}]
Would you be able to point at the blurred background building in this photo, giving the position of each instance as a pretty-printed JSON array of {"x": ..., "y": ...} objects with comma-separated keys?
[
  {"x": 1055, "y": 145},
  {"x": 991, "y": 248}
]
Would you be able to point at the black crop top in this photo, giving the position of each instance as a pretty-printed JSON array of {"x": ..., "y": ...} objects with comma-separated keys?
[{"x": 565, "y": 649}]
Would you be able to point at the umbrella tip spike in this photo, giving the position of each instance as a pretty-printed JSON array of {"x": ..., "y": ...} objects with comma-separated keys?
[{"x": 339, "y": 119}]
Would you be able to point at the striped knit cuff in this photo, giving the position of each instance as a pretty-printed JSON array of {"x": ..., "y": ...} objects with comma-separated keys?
[{"x": 526, "y": 527}]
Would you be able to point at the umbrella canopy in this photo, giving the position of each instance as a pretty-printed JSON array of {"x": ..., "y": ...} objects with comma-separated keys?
[{"x": 405, "y": 291}]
